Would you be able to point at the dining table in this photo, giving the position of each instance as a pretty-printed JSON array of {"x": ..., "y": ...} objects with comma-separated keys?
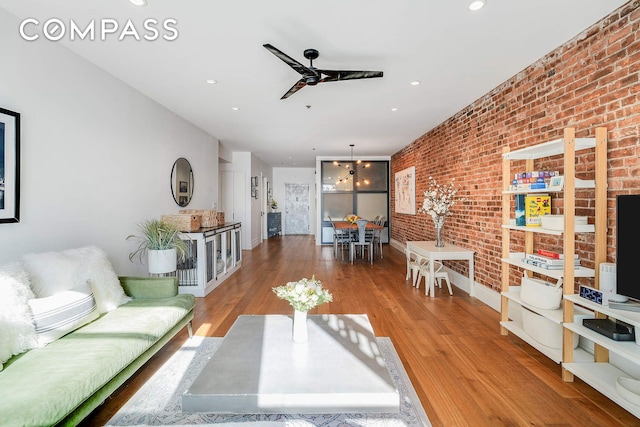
[
  {"x": 350, "y": 227},
  {"x": 346, "y": 225},
  {"x": 433, "y": 253}
]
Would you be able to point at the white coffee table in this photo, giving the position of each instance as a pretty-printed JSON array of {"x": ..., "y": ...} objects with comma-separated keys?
[{"x": 259, "y": 370}]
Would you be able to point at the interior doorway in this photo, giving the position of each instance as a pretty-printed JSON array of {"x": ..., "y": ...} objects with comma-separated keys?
[{"x": 297, "y": 208}]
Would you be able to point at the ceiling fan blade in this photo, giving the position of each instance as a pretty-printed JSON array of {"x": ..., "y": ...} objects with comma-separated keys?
[
  {"x": 296, "y": 87},
  {"x": 335, "y": 75},
  {"x": 288, "y": 60}
]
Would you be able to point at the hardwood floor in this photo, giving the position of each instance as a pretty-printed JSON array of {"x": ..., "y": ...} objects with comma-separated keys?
[{"x": 464, "y": 371}]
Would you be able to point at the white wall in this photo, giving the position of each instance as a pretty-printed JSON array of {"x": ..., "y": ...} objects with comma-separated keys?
[
  {"x": 96, "y": 154},
  {"x": 282, "y": 176}
]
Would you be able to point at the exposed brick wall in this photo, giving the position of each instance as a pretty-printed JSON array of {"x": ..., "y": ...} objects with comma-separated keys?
[{"x": 592, "y": 80}]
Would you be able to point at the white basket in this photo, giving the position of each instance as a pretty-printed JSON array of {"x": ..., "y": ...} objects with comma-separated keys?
[
  {"x": 556, "y": 222},
  {"x": 543, "y": 330},
  {"x": 541, "y": 294}
]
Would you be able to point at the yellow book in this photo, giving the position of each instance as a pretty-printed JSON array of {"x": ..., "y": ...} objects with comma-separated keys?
[{"x": 535, "y": 207}]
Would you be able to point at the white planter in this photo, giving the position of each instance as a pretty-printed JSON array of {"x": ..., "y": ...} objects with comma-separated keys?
[
  {"x": 300, "y": 333},
  {"x": 164, "y": 261}
]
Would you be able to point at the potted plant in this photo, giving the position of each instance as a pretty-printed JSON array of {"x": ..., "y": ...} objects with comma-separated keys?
[
  {"x": 162, "y": 243},
  {"x": 274, "y": 205}
]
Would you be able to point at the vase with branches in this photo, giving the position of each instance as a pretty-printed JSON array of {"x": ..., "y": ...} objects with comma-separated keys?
[{"x": 438, "y": 201}]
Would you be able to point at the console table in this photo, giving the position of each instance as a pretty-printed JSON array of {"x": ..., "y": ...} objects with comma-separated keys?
[
  {"x": 213, "y": 254},
  {"x": 258, "y": 369}
]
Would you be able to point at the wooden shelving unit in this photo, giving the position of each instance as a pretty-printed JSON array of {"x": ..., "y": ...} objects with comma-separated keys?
[{"x": 567, "y": 147}]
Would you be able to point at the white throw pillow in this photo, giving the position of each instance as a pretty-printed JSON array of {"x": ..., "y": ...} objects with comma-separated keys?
[
  {"x": 17, "y": 332},
  {"x": 64, "y": 312},
  {"x": 103, "y": 279},
  {"x": 53, "y": 272}
]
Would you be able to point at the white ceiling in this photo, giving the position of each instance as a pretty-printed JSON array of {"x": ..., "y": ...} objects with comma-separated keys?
[{"x": 458, "y": 55}]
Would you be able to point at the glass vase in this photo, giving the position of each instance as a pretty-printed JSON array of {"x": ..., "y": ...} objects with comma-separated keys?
[
  {"x": 439, "y": 223},
  {"x": 300, "y": 333}
]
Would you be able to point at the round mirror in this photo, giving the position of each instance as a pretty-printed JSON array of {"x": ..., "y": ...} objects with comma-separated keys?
[{"x": 182, "y": 182}]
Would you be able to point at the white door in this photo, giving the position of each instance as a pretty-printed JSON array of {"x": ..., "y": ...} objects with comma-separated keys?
[
  {"x": 296, "y": 203},
  {"x": 233, "y": 195}
]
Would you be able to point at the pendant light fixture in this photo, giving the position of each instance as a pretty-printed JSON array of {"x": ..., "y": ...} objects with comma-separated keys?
[{"x": 351, "y": 169}]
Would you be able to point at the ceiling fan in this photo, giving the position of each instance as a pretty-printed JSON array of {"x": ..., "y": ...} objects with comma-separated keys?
[{"x": 311, "y": 76}]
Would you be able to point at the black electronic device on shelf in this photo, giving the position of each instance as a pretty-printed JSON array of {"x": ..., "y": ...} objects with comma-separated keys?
[{"x": 614, "y": 329}]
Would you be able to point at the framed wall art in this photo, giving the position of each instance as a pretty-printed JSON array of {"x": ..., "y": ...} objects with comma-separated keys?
[
  {"x": 405, "y": 189},
  {"x": 9, "y": 166}
]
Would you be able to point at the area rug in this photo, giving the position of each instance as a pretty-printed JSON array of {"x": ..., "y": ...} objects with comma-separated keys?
[{"x": 159, "y": 401}]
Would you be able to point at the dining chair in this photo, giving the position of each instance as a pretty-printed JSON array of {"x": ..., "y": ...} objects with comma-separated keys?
[
  {"x": 363, "y": 241},
  {"x": 413, "y": 267},
  {"x": 340, "y": 237},
  {"x": 439, "y": 274},
  {"x": 377, "y": 233}
]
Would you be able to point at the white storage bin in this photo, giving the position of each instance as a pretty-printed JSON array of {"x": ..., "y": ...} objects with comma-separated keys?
[
  {"x": 556, "y": 222},
  {"x": 541, "y": 294},
  {"x": 543, "y": 330}
]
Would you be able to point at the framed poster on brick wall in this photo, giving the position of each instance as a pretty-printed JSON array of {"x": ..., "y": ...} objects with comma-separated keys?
[{"x": 405, "y": 198}]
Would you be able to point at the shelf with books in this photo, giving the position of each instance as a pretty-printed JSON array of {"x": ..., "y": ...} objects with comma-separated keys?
[
  {"x": 579, "y": 184},
  {"x": 588, "y": 228},
  {"x": 567, "y": 147},
  {"x": 515, "y": 259}
]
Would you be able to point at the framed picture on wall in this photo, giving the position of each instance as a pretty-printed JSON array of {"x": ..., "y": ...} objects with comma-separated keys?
[
  {"x": 405, "y": 189},
  {"x": 184, "y": 187},
  {"x": 9, "y": 166}
]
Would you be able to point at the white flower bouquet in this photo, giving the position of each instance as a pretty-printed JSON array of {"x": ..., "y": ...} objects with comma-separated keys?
[
  {"x": 304, "y": 294},
  {"x": 439, "y": 199}
]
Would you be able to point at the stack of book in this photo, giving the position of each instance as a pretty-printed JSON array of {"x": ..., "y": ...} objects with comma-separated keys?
[
  {"x": 549, "y": 260},
  {"x": 534, "y": 180}
]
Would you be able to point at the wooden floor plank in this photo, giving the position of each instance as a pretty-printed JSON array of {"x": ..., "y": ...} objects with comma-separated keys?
[{"x": 464, "y": 372}]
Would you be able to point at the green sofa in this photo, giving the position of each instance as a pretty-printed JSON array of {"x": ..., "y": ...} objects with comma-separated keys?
[{"x": 61, "y": 383}]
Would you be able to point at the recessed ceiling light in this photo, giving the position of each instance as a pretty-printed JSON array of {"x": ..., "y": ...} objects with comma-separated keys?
[
  {"x": 477, "y": 4},
  {"x": 415, "y": 83},
  {"x": 212, "y": 82},
  {"x": 139, "y": 2},
  {"x": 235, "y": 108},
  {"x": 394, "y": 109}
]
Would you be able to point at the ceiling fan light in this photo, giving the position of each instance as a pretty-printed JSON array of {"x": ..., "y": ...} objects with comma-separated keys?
[{"x": 477, "y": 4}]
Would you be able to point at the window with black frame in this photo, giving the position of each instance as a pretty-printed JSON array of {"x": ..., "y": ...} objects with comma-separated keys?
[{"x": 353, "y": 187}]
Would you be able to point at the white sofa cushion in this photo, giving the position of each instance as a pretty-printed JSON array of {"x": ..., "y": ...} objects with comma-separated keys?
[
  {"x": 17, "y": 332},
  {"x": 54, "y": 272},
  {"x": 64, "y": 312}
]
